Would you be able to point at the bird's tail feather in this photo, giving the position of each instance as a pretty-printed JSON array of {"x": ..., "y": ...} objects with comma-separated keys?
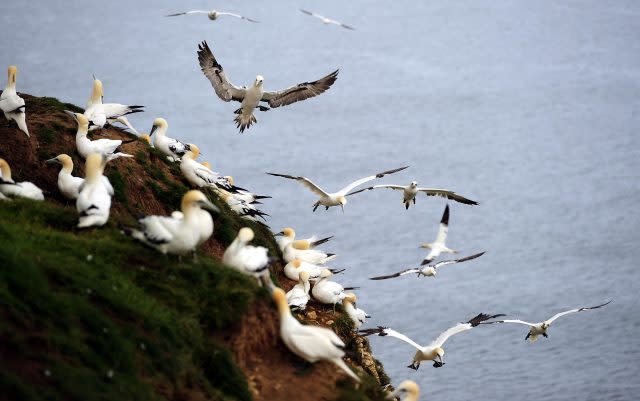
[{"x": 244, "y": 121}]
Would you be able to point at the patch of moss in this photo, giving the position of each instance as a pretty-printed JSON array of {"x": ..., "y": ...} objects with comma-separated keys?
[
  {"x": 46, "y": 136},
  {"x": 118, "y": 184},
  {"x": 56, "y": 104}
]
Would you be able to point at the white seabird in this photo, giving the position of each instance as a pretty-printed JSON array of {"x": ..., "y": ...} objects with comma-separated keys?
[
  {"x": 357, "y": 315},
  {"x": 438, "y": 246},
  {"x": 179, "y": 233},
  {"x": 336, "y": 198},
  {"x": 326, "y": 20},
  {"x": 10, "y": 188},
  {"x": 11, "y": 104},
  {"x": 408, "y": 390},
  {"x": 99, "y": 113},
  {"x": 248, "y": 259},
  {"x": 540, "y": 328},
  {"x": 68, "y": 184},
  {"x": 241, "y": 193},
  {"x": 329, "y": 292},
  {"x": 251, "y": 97},
  {"x": 94, "y": 194},
  {"x": 288, "y": 236},
  {"x": 241, "y": 208},
  {"x": 428, "y": 270},
  {"x": 212, "y": 14},
  {"x": 311, "y": 343},
  {"x": 298, "y": 296},
  {"x": 197, "y": 174},
  {"x": 172, "y": 148},
  {"x": 302, "y": 251},
  {"x": 293, "y": 269},
  {"x": 410, "y": 191},
  {"x": 85, "y": 146},
  {"x": 434, "y": 350}
]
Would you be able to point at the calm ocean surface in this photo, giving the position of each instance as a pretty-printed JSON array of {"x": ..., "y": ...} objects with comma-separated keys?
[{"x": 531, "y": 108}]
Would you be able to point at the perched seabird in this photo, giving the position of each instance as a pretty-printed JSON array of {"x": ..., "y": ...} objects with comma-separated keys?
[
  {"x": 10, "y": 188},
  {"x": 326, "y": 20},
  {"x": 293, "y": 269},
  {"x": 251, "y": 97},
  {"x": 11, "y": 104},
  {"x": 212, "y": 15},
  {"x": 541, "y": 328},
  {"x": 302, "y": 251},
  {"x": 357, "y": 315},
  {"x": 99, "y": 113},
  {"x": 179, "y": 233},
  {"x": 434, "y": 350},
  {"x": 329, "y": 292},
  {"x": 69, "y": 185},
  {"x": 248, "y": 259},
  {"x": 85, "y": 146},
  {"x": 408, "y": 390},
  {"x": 311, "y": 343},
  {"x": 438, "y": 246},
  {"x": 410, "y": 191},
  {"x": 243, "y": 194},
  {"x": 298, "y": 296},
  {"x": 427, "y": 270},
  {"x": 198, "y": 175},
  {"x": 241, "y": 208},
  {"x": 288, "y": 236},
  {"x": 94, "y": 194},
  {"x": 336, "y": 198},
  {"x": 172, "y": 148}
]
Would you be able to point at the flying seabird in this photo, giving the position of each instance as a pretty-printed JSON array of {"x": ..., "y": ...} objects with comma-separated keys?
[
  {"x": 298, "y": 296},
  {"x": 212, "y": 15},
  {"x": 99, "y": 113},
  {"x": 408, "y": 390},
  {"x": 172, "y": 148},
  {"x": 410, "y": 191},
  {"x": 288, "y": 236},
  {"x": 293, "y": 269},
  {"x": 107, "y": 147},
  {"x": 94, "y": 194},
  {"x": 251, "y": 97},
  {"x": 10, "y": 188},
  {"x": 541, "y": 328},
  {"x": 248, "y": 259},
  {"x": 428, "y": 270},
  {"x": 11, "y": 104},
  {"x": 438, "y": 246},
  {"x": 336, "y": 198},
  {"x": 357, "y": 315},
  {"x": 68, "y": 184},
  {"x": 434, "y": 350},
  {"x": 311, "y": 343},
  {"x": 326, "y": 20},
  {"x": 181, "y": 232}
]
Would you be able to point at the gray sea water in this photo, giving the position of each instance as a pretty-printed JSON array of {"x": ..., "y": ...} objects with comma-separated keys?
[{"x": 530, "y": 107}]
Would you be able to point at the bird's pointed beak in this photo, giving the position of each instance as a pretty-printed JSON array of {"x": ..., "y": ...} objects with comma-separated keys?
[
  {"x": 53, "y": 161},
  {"x": 280, "y": 234},
  {"x": 205, "y": 204},
  {"x": 153, "y": 130},
  {"x": 342, "y": 207}
]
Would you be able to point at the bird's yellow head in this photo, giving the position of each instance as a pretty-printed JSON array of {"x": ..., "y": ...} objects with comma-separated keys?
[
  {"x": 196, "y": 199},
  {"x": 301, "y": 245},
  {"x": 207, "y": 165},
  {"x": 64, "y": 159},
  {"x": 288, "y": 232},
  {"x": 303, "y": 277},
  {"x": 193, "y": 151},
  {"x": 96, "y": 92},
  {"x": 146, "y": 138},
  {"x": 6, "y": 170},
  {"x": 407, "y": 390},
  {"x": 94, "y": 166},
  {"x": 296, "y": 263},
  {"x": 12, "y": 73},
  {"x": 83, "y": 122},
  {"x": 245, "y": 234},
  {"x": 325, "y": 273},
  {"x": 230, "y": 179},
  {"x": 351, "y": 297}
]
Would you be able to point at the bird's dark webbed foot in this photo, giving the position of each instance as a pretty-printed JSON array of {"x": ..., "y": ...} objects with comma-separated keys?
[
  {"x": 315, "y": 207},
  {"x": 326, "y": 208},
  {"x": 437, "y": 364},
  {"x": 414, "y": 366},
  {"x": 414, "y": 200},
  {"x": 263, "y": 108},
  {"x": 406, "y": 206},
  {"x": 302, "y": 367},
  {"x": 238, "y": 111},
  {"x": 545, "y": 335}
]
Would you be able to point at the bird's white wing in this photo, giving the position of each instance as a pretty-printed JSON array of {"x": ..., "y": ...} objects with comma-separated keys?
[
  {"x": 517, "y": 321},
  {"x": 237, "y": 16},
  {"x": 445, "y": 193},
  {"x": 304, "y": 181},
  {"x": 107, "y": 185},
  {"x": 369, "y": 178},
  {"x": 115, "y": 110},
  {"x": 460, "y": 327},
  {"x": 454, "y": 261},
  {"x": 444, "y": 226},
  {"x": 188, "y": 12},
  {"x": 396, "y": 187},
  {"x": 158, "y": 229},
  {"x": 385, "y": 331},
  {"x": 398, "y": 274},
  {"x": 557, "y": 315},
  {"x": 299, "y": 92},
  {"x": 214, "y": 72},
  {"x": 11, "y": 103}
]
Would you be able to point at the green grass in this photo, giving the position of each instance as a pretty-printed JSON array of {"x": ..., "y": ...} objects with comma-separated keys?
[{"x": 108, "y": 318}]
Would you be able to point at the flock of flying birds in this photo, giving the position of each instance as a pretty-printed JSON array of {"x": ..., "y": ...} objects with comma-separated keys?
[{"x": 184, "y": 230}]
